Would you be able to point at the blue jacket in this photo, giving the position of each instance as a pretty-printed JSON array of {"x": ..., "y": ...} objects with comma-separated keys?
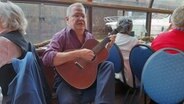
[{"x": 26, "y": 87}]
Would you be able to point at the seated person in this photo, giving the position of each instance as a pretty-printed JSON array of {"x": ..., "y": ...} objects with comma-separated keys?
[
  {"x": 126, "y": 42},
  {"x": 73, "y": 37},
  {"x": 12, "y": 24},
  {"x": 174, "y": 37}
]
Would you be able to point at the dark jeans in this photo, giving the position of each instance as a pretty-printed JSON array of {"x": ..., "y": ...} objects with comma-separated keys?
[{"x": 102, "y": 92}]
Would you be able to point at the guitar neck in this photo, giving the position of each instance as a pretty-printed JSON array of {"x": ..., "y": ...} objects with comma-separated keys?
[{"x": 101, "y": 45}]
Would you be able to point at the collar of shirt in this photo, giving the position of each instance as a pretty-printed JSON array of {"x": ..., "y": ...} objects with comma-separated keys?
[
  {"x": 3, "y": 31},
  {"x": 69, "y": 30}
]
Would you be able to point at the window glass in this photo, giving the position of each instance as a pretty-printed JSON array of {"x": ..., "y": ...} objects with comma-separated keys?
[
  {"x": 108, "y": 17},
  {"x": 140, "y": 3},
  {"x": 167, "y": 4},
  {"x": 43, "y": 20},
  {"x": 99, "y": 28},
  {"x": 159, "y": 23}
]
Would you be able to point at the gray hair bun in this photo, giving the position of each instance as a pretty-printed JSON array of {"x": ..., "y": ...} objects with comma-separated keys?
[{"x": 126, "y": 24}]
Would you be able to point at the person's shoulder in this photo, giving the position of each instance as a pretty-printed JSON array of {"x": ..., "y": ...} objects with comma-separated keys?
[
  {"x": 4, "y": 40},
  {"x": 61, "y": 33},
  {"x": 163, "y": 35},
  {"x": 134, "y": 38},
  {"x": 159, "y": 40},
  {"x": 89, "y": 34},
  {"x": 6, "y": 44},
  {"x": 171, "y": 31}
]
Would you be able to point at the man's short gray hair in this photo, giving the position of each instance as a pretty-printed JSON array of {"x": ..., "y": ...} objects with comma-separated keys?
[
  {"x": 69, "y": 9},
  {"x": 12, "y": 17},
  {"x": 177, "y": 17},
  {"x": 126, "y": 24}
]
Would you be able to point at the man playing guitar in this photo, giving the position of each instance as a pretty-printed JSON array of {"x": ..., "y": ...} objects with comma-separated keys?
[{"x": 83, "y": 75}]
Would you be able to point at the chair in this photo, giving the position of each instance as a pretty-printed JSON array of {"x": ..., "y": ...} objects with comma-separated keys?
[
  {"x": 138, "y": 57},
  {"x": 163, "y": 76},
  {"x": 116, "y": 58}
]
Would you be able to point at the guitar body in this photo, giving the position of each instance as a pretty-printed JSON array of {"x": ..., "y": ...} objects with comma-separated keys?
[{"x": 80, "y": 73}]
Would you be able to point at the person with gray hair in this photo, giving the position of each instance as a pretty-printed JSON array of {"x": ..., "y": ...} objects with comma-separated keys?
[
  {"x": 12, "y": 21},
  {"x": 125, "y": 42},
  {"x": 126, "y": 24},
  {"x": 12, "y": 25},
  {"x": 12, "y": 18},
  {"x": 65, "y": 48},
  {"x": 13, "y": 45},
  {"x": 173, "y": 38}
]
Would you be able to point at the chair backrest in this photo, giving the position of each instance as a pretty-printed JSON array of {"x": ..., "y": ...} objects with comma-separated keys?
[
  {"x": 138, "y": 57},
  {"x": 163, "y": 76},
  {"x": 116, "y": 57}
]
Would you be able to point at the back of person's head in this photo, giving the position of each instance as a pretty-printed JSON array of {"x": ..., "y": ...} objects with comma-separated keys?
[
  {"x": 177, "y": 17},
  {"x": 12, "y": 17},
  {"x": 126, "y": 24},
  {"x": 69, "y": 9}
]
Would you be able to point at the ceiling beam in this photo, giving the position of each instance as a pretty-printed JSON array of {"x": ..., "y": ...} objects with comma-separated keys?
[{"x": 100, "y": 5}]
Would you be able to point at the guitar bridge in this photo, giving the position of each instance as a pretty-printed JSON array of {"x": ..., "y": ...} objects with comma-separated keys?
[{"x": 79, "y": 65}]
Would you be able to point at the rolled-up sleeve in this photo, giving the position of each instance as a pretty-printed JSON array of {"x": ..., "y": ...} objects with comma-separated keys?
[
  {"x": 56, "y": 45},
  {"x": 48, "y": 57}
]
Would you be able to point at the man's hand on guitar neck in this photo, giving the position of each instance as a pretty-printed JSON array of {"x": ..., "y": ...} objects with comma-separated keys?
[{"x": 112, "y": 39}]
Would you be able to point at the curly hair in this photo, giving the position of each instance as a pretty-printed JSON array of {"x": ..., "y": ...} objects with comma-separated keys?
[
  {"x": 12, "y": 17},
  {"x": 126, "y": 24},
  {"x": 177, "y": 17}
]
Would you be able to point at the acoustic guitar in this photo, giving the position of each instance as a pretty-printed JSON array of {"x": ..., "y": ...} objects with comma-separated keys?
[{"x": 80, "y": 73}]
